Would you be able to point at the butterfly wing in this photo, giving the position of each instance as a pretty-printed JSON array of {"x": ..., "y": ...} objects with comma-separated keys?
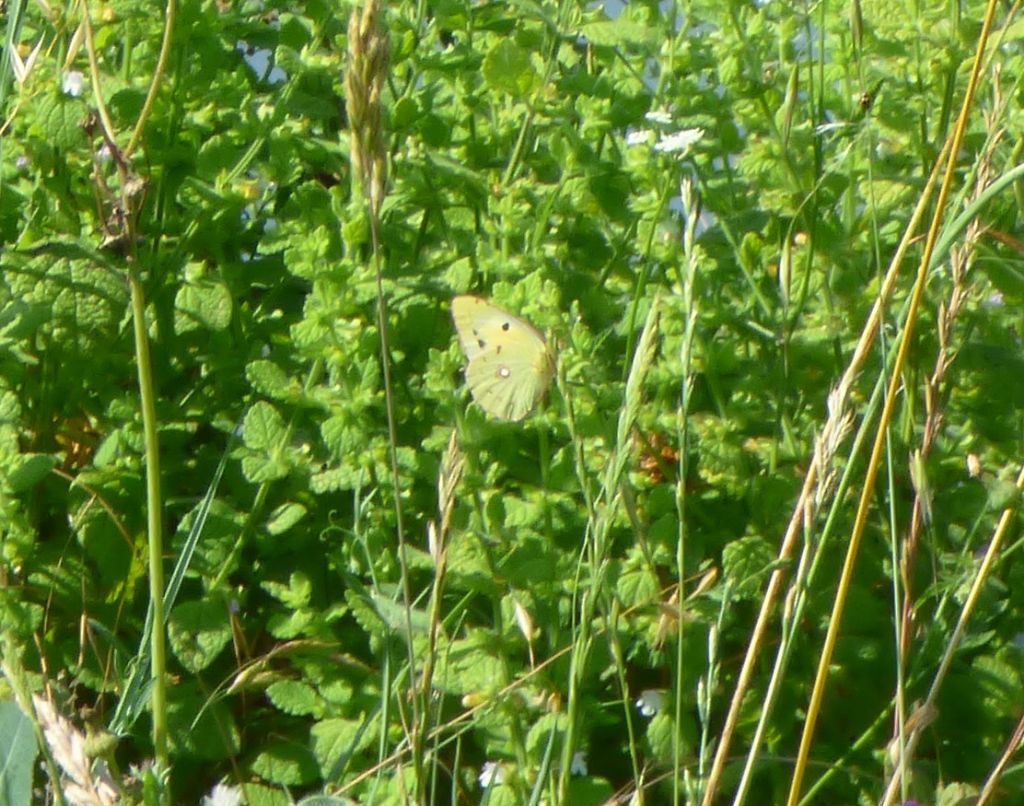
[{"x": 510, "y": 366}]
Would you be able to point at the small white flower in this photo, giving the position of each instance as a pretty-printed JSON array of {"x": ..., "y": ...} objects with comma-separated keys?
[
  {"x": 659, "y": 116},
  {"x": 579, "y": 763},
  {"x": 638, "y": 137},
  {"x": 74, "y": 83},
  {"x": 650, "y": 702},
  {"x": 490, "y": 774},
  {"x": 678, "y": 142},
  {"x": 222, "y": 795}
]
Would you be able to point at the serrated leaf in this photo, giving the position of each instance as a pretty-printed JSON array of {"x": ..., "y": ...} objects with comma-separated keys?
[
  {"x": 293, "y": 595},
  {"x": 344, "y": 477},
  {"x": 270, "y": 380},
  {"x": 394, "y": 615},
  {"x": 295, "y": 697},
  {"x": 660, "y": 735},
  {"x": 744, "y": 563},
  {"x": 335, "y": 740},
  {"x": 202, "y": 304},
  {"x": 366, "y": 614},
  {"x": 62, "y": 118},
  {"x": 637, "y": 586},
  {"x": 263, "y": 428},
  {"x": 261, "y": 469}
]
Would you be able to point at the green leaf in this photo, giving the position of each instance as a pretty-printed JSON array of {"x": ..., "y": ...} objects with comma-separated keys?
[
  {"x": 198, "y": 631},
  {"x": 285, "y": 517},
  {"x": 745, "y": 563},
  {"x": 618, "y": 33},
  {"x": 636, "y": 585},
  {"x": 200, "y": 729},
  {"x": 468, "y": 667},
  {"x": 508, "y": 69},
  {"x": 203, "y": 304},
  {"x": 261, "y": 795},
  {"x": 62, "y": 119},
  {"x": 295, "y": 697},
  {"x": 27, "y": 469},
  {"x": 336, "y": 740},
  {"x": 18, "y": 751},
  {"x": 294, "y": 595},
  {"x": 270, "y": 380},
  {"x": 285, "y": 764},
  {"x": 263, "y": 428}
]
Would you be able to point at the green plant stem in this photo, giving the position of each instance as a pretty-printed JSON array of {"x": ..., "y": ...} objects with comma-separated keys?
[
  {"x": 170, "y": 17},
  {"x": 892, "y": 394},
  {"x": 154, "y": 518}
]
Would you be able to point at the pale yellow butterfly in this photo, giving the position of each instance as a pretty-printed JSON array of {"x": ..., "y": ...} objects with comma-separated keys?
[{"x": 510, "y": 366}]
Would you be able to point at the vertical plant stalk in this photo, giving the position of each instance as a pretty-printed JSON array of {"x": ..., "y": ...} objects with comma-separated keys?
[
  {"x": 867, "y": 493},
  {"x": 688, "y": 281},
  {"x": 960, "y": 262},
  {"x": 368, "y": 56},
  {"x": 131, "y": 192},
  {"x": 154, "y": 518},
  {"x": 599, "y": 524},
  {"x": 437, "y": 537},
  {"x": 803, "y": 511},
  {"x": 1007, "y": 517}
]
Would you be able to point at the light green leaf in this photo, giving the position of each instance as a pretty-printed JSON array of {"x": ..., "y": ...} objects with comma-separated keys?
[
  {"x": 508, "y": 69},
  {"x": 202, "y": 304},
  {"x": 263, "y": 429},
  {"x": 617, "y": 33},
  {"x": 28, "y": 469},
  {"x": 744, "y": 564},
  {"x": 295, "y": 697},
  {"x": 270, "y": 380},
  {"x": 336, "y": 739},
  {"x": 285, "y": 517}
]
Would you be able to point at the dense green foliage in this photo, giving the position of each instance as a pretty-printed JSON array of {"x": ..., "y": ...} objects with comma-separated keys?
[{"x": 533, "y": 158}]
